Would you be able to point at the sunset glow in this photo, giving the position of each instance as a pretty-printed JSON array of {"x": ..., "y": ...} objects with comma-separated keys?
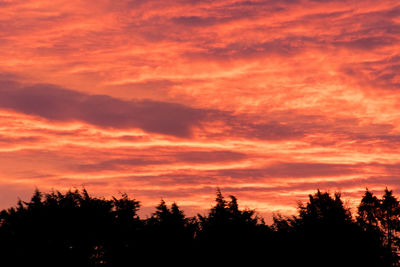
[{"x": 267, "y": 100}]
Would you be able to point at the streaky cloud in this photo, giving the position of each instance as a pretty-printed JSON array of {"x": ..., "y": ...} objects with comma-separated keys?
[{"x": 56, "y": 103}]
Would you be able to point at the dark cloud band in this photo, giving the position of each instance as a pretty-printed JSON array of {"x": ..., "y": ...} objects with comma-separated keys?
[{"x": 55, "y": 103}]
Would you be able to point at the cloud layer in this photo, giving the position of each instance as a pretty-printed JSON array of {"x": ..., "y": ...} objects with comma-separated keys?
[{"x": 268, "y": 100}]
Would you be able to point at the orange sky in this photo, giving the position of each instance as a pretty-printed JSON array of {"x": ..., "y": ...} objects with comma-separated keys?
[{"x": 268, "y": 100}]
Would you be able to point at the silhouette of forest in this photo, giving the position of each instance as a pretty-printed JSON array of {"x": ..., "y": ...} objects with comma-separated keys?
[{"x": 76, "y": 229}]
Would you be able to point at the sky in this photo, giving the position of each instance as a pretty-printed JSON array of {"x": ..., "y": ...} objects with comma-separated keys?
[{"x": 267, "y": 100}]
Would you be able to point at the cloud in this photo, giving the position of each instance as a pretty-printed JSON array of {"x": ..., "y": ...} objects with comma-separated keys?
[
  {"x": 116, "y": 164},
  {"x": 376, "y": 74},
  {"x": 8, "y": 140},
  {"x": 368, "y": 43},
  {"x": 196, "y": 21},
  {"x": 293, "y": 170},
  {"x": 143, "y": 160},
  {"x": 59, "y": 104},
  {"x": 279, "y": 47},
  {"x": 260, "y": 97},
  {"x": 209, "y": 156}
]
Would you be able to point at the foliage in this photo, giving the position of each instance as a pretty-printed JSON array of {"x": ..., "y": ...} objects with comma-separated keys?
[{"x": 76, "y": 229}]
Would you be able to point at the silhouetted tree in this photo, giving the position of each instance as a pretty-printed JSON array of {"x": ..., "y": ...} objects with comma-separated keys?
[
  {"x": 225, "y": 220},
  {"x": 228, "y": 233},
  {"x": 369, "y": 211},
  {"x": 168, "y": 232},
  {"x": 325, "y": 234},
  {"x": 389, "y": 217},
  {"x": 125, "y": 236},
  {"x": 55, "y": 226},
  {"x": 171, "y": 226},
  {"x": 75, "y": 229},
  {"x": 323, "y": 209}
]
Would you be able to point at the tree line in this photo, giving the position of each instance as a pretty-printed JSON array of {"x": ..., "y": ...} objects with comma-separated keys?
[{"x": 76, "y": 229}]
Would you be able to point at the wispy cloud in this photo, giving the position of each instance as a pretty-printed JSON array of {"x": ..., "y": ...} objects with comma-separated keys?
[{"x": 265, "y": 99}]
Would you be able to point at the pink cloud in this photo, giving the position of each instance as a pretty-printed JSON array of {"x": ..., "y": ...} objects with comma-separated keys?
[{"x": 266, "y": 99}]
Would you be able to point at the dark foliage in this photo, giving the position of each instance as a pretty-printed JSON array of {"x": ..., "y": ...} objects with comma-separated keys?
[{"x": 76, "y": 229}]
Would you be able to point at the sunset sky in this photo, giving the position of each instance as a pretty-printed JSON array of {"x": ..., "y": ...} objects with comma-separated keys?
[{"x": 268, "y": 100}]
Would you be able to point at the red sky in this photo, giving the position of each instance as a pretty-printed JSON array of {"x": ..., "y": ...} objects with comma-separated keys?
[{"x": 268, "y": 100}]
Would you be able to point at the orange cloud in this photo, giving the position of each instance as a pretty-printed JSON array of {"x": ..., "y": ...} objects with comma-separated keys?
[{"x": 268, "y": 100}]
